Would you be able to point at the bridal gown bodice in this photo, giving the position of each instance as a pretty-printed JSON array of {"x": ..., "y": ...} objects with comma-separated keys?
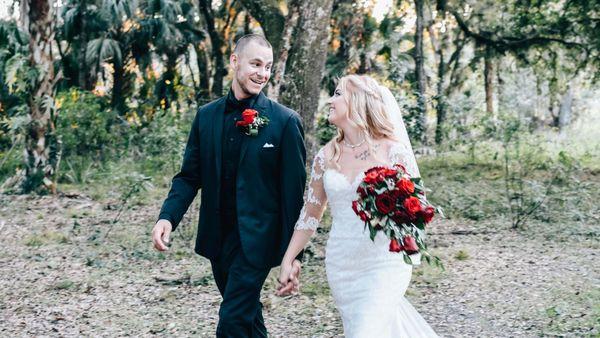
[{"x": 367, "y": 281}]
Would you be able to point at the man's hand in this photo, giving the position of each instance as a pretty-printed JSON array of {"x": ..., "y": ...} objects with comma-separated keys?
[
  {"x": 289, "y": 278},
  {"x": 160, "y": 234}
]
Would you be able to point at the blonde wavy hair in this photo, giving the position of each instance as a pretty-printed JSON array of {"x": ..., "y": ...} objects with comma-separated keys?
[{"x": 366, "y": 111}]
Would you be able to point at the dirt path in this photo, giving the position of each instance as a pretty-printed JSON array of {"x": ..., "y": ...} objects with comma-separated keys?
[{"x": 62, "y": 277}]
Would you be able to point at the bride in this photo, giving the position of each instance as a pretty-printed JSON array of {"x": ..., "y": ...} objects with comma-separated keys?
[{"x": 367, "y": 281}]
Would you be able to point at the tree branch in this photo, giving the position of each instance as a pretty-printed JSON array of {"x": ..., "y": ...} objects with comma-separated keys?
[{"x": 509, "y": 43}]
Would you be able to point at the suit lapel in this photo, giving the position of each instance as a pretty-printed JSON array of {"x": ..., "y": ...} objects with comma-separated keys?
[
  {"x": 261, "y": 105},
  {"x": 218, "y": 134}
]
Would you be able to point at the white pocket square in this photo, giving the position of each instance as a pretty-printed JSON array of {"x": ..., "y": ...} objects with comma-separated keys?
[{"x": 268, "y": 145}]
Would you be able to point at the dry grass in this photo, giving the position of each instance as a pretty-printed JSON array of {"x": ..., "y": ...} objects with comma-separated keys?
[{"x": 62, "y": 277}]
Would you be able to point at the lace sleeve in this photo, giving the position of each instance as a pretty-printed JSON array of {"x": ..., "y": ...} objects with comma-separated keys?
[
  {"x": 315, "y": 199},
  {"x": 399, "y": 153}
]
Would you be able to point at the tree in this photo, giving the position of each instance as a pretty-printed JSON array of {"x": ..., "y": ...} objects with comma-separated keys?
[
  {"x": 420, "y": 72},
  {"x": 42, "y": 148},
  {"x": 114, "y": 45},
  {"x": 168, "y": 26},
  {"x": 550, "y": 36},
  {"x": 440, "y": 42},
  {"x": 304, "y": 67},
  {"x": 488, "y": 75},
  {"x": 218, "y": 33}
]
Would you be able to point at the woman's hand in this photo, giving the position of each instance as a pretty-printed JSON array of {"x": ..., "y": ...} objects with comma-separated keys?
[{"x": 289, "y": 278}]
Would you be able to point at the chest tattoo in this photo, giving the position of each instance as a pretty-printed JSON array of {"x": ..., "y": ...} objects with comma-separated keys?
[{"x": 365, "y": 154}]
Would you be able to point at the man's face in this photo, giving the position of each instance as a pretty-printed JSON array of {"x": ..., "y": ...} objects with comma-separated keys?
[{"x": 252, "y": 69}]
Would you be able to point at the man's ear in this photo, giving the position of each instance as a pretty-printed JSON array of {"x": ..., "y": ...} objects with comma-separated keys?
[{"x": 233, "y": 61}]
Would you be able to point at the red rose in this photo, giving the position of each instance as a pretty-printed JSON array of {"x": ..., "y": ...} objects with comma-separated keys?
[
  {"x": 371, "y": 177},
  {"x": 427, "y": 214},
  {"x": 364, "y": 216},
  {"x": 374, "y": 175},
  {"x": 395, "y": 194},
  {"x": 395, "y": 246},
  {"x": 248, "y": 117},
  {"x": 389, "y": 172},
  {"x": 374, "y": 170},
  {"x": 356, "y": 207},
  {"x": 410, "y": 245},
  {"x": 361, "y": 192},
  {"x": 385, "y": 203},
  {"x": 400, "y": 217},
  {"x": 406, "y": 187},
  {"x": 412, "y": 205}
]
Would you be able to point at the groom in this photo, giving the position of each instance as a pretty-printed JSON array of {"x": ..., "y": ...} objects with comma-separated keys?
[{"x": 252, "y": 177}]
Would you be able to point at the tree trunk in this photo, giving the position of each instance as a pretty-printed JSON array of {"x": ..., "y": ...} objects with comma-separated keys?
[
  {"x": 118, "y": 95},
  {"x": 217, "y": 45},
  {"x": 420, "y": 72},
  {"x": 564, "y": 112},
  {"x": 488, "y": 74},
  {"x": 306, "y": 63},
  {"x": 85, "y": 79},
  {"x": 164, "y": 89},
  {"x": 281, "y": 60},
  {"x": 499, "y": 85},
  {"x": 203, "y": 62},
  {"x": 441, "y": 97},
  {"x": 42, "y": 147},
  {"x": 247, "y": 20}
]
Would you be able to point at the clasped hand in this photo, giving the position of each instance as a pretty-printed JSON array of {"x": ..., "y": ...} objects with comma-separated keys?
[{"x": 289, "y": 278}]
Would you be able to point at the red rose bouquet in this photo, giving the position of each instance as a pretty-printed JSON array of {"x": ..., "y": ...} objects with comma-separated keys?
[{"x": 389, "y": 200}]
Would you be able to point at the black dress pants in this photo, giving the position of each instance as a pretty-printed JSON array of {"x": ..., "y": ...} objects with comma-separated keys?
[{"x": 240, "y": 284}]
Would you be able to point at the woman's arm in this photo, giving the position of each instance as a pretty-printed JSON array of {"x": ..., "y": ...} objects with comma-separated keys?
[{"x": 310, "y": 216}]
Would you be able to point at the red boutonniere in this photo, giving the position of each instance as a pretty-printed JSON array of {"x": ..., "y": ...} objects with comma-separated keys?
[{"x": 251, "y": 121}]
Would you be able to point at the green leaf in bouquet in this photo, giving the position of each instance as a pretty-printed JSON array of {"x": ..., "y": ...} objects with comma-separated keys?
[
  {"x": 440, "y": 211},
  {"x": 427, "y": 259},
  {"x": 419, "y": 224},
  {"x": 372, "y": 233},
  {"x": 407, "y": 259},
  {"x": 420, "y": 235}
]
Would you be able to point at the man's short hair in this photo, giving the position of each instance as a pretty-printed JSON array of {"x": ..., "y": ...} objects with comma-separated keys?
[{"x": 242, "y": 42}]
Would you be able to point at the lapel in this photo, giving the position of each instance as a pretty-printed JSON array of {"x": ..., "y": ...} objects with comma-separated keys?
[
  {"x": 218, "y": 133},
  {"x": 261, "y": 105}
]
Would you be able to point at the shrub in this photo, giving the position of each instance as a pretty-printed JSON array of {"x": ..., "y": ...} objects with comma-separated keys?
[{"x": 84, "y": 124}]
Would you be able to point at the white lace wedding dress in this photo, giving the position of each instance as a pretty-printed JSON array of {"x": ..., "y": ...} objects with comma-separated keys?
[{"x": 367, "y": 281}]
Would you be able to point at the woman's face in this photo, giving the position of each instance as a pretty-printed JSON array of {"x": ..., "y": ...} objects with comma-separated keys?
[{"x": 338, "y": 109}]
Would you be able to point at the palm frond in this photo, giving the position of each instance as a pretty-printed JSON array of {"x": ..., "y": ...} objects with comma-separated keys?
[{"x": 103, "y": 49}]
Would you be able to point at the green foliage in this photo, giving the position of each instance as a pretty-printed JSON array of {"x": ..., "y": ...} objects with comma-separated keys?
[
  {"x": 85, "y": 125},
  {"x": 521, "y": 157},
  {"x": 475, "y": 187},
  {"x": 461, "y": 255},
  {"x": 159, "y": 143},
  {"x": 325, "y": 131}
]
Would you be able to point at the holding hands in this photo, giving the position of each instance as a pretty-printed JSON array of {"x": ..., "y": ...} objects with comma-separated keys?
[{"x": 289, "y": 275}]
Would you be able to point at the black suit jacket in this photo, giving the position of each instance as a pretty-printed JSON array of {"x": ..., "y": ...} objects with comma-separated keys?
[{"x": 270, "y": 182}]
